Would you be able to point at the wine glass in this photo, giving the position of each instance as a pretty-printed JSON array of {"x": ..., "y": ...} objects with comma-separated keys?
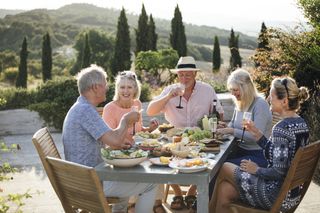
[
  {"x": 134, "y": 109},
  {"x": 182, "y": 88},
  {"x": 246, "y": 118}
]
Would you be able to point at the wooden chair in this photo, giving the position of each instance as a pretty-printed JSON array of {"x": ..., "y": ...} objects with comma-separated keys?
[
  {"x": 45, "y": 147},
  {"x": 300, "y": 173},
  {"x": 79, "y": 187}
]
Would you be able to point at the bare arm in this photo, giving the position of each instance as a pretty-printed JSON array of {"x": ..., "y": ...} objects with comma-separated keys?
[
  {"x": 116, "y": 137},
  {"x": 156, "y": 106}
]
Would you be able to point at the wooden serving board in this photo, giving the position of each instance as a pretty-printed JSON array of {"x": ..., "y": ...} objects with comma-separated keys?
[{"x": 215, "y": 149}]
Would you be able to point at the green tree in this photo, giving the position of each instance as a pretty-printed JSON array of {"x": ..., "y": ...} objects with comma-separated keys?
[
  {"x": 147, "y": 63},
  {"x": 46, "y": 58},
  {"x": 263, "y": 42},
  {"x": 153, "y": 66},
  {"x": 178, "y": 39},
  {"x": 23, "y": 74},
  {"x": 263, "y": 45},
  {"x": 121, "y": 58},
  {"x": 152, "y": 35},
  {"x": 101, "y": 46},
  {"x": 311, "y": 11},
  {"x": 297, "y": 54},
  {"x": 235, "y": 58},
  {"x": 142, "y": 39},
  {"x": 216, "y": 55},
  {"x": 86, "y": 53},
  {"x": 168, "y": 60}
]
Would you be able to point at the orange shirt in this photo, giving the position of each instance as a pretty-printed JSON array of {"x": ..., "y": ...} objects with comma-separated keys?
[{"x": 112, "y": 114}]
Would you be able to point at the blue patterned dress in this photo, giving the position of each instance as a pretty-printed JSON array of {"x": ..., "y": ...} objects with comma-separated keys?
[{"x": 261, "y": 190}]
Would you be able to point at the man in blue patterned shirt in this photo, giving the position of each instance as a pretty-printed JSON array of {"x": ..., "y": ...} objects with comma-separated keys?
[{"x": 84, "y": 133}]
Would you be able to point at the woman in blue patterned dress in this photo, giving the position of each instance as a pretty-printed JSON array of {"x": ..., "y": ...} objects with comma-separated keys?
[{"x": 258, "y": 186}]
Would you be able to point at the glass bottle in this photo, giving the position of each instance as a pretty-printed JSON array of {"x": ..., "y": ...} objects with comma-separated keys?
[
  {"x": 213, "y": 121},
  {"x": 214, "y": 112},
  {"x": 205, "y": 123}
]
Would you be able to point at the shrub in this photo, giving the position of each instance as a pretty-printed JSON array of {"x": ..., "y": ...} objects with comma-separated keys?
[
  {"x": 16, "y": 98},
  {"x": 54, "y": 99},
  {"x": 109, "y": 95},
  {"x": 2, "y": 102},
  {"x": 9, "y": 202},
  {"x": 145, "y": 93},
  {"x": 10, "y": 74},
  {"x": 310, "y": 112}
]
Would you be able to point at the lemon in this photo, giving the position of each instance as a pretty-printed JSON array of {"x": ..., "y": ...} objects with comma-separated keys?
[{"x": 164, "y": 160}]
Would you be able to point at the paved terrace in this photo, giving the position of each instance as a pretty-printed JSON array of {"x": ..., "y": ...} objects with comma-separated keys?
[{"x": 18, "y": 126}]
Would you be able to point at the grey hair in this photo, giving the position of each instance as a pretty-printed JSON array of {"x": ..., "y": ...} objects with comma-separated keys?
[
  {"x": 241, "y": 78},
  {"x": 129, "y": 75},
  {"x": 90, "y": 76}
]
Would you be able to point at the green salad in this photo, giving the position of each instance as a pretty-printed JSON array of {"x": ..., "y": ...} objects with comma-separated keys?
[{"x": 123, "y": 154}]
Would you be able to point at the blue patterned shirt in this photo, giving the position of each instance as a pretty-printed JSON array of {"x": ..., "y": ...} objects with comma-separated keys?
[{"x": 82, "y": 129}]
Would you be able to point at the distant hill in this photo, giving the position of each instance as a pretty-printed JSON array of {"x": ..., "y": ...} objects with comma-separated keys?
[
  {"x": 66, "y": 22},
  {"x": 4, "y": 12}
]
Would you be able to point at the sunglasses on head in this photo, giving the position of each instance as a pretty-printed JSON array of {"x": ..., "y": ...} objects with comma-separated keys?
[
  {"x": 284, "y": 82},
  {"x": 128, "y": 74}
]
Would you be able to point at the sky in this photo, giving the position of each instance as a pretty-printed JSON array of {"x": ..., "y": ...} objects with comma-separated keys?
[{"x": 247, "y": 15}]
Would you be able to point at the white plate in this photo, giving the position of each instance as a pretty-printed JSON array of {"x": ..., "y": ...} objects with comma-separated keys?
[
  {"x": 148, "y": 144},
  {"x": 178, "y": 164},
  {"x": 125, "y": 162},
  {"x": 145, "y": 135},
  {"x": 156, "y": 161}
]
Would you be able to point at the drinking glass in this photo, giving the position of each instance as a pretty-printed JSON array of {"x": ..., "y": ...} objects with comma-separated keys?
[
  {"x": 182, "y": 88},
  {"x": 134, "y": 109},
  {"x": 246, "y": 118}
]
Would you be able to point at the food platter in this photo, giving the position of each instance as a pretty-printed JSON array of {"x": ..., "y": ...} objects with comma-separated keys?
[
  {"x": 140, "y": 136},
  {"x": 148, "y": 144},
  {"x": 123, "y": 158},
  {"x": 192, "y": 165},
  {"x": 130, "y": 162}
]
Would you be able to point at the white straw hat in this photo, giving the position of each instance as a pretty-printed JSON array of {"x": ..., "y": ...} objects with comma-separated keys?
[{"x": 186, "y": 63}]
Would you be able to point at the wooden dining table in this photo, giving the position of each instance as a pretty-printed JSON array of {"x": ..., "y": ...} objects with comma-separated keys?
[{"x": 149, "y": 173}]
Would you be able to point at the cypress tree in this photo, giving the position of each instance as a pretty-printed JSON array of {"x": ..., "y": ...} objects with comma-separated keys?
[
  {"x": 216, "y": 55},
  {"x": 263, "y": 42},
  {"x": 46, "y": 58},
  {"x": 178, "y": 39},
  {"x": 235, "y": 58},
  {"x": 86, "y": 53},
  {"x": 121, "y": 58},
  {"x": 142, "y": 32},
  {"x": 152, "y": 35},
  {"x": 23, "y": 75}
]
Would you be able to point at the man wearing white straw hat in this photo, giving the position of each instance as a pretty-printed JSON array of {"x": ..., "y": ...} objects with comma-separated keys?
[{"x": 183, "y": 105}]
